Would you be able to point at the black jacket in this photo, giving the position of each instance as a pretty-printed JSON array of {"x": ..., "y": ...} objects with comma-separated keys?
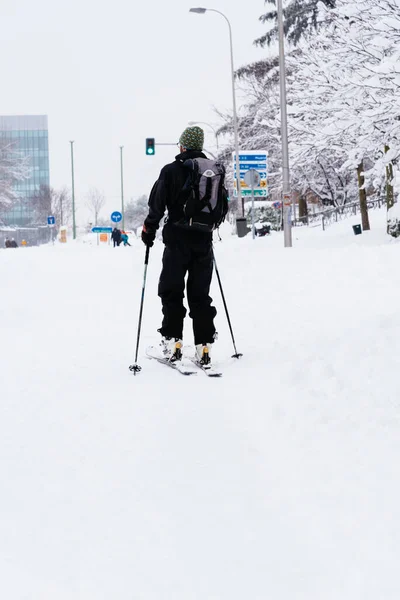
[
  {"x": 165, "y": 195},
  {"x": 116, "y": 235}
]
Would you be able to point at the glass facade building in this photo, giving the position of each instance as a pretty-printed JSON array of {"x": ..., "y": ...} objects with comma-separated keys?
[{"x": 28, "y": 135}]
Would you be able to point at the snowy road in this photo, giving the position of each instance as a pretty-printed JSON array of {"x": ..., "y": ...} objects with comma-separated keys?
[{"x": 279, "y": 480}]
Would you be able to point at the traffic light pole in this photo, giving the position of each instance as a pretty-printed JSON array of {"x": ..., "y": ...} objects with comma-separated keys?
[
  {"x": 73, "y": 192},
  {"x": 122, "y": 190},
  {"x": 286, "y": 199}
]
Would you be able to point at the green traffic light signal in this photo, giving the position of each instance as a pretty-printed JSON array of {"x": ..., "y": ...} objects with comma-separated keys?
[{"x": 150, "y": 146}]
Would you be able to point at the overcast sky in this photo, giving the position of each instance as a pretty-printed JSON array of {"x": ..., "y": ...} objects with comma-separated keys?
[{"x": 113, "y": 73}]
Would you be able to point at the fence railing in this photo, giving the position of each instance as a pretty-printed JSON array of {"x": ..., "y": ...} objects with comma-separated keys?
[{"x": 333, "y": 215}]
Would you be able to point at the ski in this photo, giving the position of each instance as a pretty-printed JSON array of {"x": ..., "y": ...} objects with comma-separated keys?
[
  {"x": 209, "y": 370},
  {"x": 183, "y": 369}
]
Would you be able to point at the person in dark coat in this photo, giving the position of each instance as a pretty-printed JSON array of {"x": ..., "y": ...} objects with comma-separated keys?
[
  {"x": 186, "y": 253},
  {"x": 13, "y": 243},
  {"x": 116, "y": 236}
]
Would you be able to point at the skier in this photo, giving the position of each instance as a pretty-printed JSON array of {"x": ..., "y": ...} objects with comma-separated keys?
[
  {"x": 116, "y": 236},
  {"x": 187, "y": 250}
]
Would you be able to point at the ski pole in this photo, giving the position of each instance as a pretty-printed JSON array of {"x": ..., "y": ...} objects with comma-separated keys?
[
  {"x": 135, "y": 367},
  {"x": 236, "y": 355}
]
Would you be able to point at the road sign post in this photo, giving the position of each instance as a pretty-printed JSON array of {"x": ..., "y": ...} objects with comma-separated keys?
[
  {"x": 51, "y": 221},
  {"x": 252, "y": 178},
  {"x": 101, "y": 231}
]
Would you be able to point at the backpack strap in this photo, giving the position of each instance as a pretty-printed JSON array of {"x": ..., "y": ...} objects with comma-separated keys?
[
  {"x": 196, "y": 180},
  {"x": 205, "y": 201}
]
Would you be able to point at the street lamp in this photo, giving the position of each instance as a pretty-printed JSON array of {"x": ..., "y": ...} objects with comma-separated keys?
[
  {"x": 287, "y": 225},
  {"x": 201, "y": 11},
  {"x": 122, "y": 189},
  {"x": 208, "y": 125},
  {"x": 73, "y": 192}
]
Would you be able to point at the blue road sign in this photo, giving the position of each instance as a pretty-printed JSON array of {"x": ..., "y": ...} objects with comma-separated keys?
[
  {"x": 251, "y": 159},
  {"x": 253, "y": 156},
  {"x": 51, "y": 220},
  {"x": 101, "y": 229},
  {"x": 247, "y": 166},
  {"x": 116, "y": 216}
]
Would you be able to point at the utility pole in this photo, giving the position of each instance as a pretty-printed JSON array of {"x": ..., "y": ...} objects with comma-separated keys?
[
  {"x": 122, "y": 189},
  {"x": 363, "y": 197},
  {"x": 73, "y": 192},
  {"x": 286, "y": 195}
]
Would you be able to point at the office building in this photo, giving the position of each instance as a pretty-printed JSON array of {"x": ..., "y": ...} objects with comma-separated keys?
[{"x": 28, "y": 134}]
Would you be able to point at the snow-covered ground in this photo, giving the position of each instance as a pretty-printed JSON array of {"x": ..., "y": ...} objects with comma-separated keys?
[{"x": 278, "y": 481}]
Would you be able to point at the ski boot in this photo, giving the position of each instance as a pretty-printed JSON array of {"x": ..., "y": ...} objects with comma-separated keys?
[
  {"x": 171, "y": 348},
  {"x": 203, "y": 354}
]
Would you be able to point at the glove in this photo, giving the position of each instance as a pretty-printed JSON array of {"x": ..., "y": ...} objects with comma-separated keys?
[{"x": 148, "y": 237}]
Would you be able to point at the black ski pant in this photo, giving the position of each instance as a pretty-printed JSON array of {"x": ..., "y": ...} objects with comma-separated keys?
[{"x": 197, "y": 263}]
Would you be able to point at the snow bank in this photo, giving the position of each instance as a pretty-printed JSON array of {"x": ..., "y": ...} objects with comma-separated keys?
[{"x": 277, "y": 481}]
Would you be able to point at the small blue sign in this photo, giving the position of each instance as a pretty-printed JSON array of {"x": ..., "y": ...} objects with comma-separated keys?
[
  {"x": 116, "y": 217},
  {"x": 248, "y": 166},
  {"x": 51, "y": 220},
  {"x": 101, "y": 229},
  {"x": 260, "y": 157},
  {"x": 263, "y": 174}
]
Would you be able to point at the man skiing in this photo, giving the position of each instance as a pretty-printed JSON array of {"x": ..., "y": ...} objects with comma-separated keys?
[{"x": 186, "y": 252}]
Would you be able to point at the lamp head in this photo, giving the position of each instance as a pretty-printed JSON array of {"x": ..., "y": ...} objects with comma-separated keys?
[{"x": 199, "y": 11}]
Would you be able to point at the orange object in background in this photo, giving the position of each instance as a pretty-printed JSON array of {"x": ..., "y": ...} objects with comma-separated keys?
[
  {"x": 104, "y": 237},
  {"x": 23, "y": 242}
]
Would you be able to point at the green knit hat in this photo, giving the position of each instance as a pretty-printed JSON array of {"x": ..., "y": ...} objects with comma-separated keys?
[{"x": 192, "y": 138}]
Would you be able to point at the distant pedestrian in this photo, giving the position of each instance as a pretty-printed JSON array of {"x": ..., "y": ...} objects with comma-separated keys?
[
  {"x": 116, "y": 236},
  {"x": 13, "y": 243},
  {"x": 7, "y": 243},
  {"x": 125, "y": 238}
]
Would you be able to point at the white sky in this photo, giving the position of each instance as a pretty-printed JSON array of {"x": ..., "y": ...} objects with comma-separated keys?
[{"x": 112, "y": 74}]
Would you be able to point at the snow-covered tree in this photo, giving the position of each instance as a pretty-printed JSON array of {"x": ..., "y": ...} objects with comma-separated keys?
[
  {"x": 14, "y": 167},
  {"x": 136, "y": 211},
  {"x": 300, "y": 18},
  {"x": 48, "y": 201},
  {"x": 95, "y": 200},
  {"x": 343, "y": 89},
  {"x": 352, "y": 103}
]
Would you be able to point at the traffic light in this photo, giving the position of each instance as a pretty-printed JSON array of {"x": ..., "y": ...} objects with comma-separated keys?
[{"x": 150, "y": 146}]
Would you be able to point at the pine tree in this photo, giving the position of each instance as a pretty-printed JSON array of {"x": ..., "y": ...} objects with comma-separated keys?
[{"x": 300, "y": 18}]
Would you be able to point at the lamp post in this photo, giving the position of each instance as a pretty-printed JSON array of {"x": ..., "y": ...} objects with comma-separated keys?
[
  {"x": 201, "y": 11},
  {"x": 208, "y": 125},
  {"x": 286, "y": 196},
  {"x": 122, "y": 189},
  {"x": 73, "y": 192}
]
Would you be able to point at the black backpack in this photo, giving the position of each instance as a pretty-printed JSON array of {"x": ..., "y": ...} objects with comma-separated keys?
[{"x": 204, "y": 196}]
